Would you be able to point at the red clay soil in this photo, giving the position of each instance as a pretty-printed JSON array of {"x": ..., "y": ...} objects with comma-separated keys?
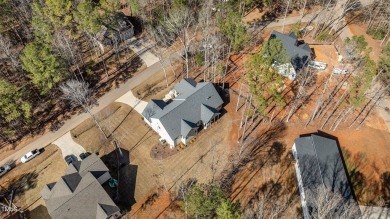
[
  {"x": 360, "y": 29},
  {"x": 161, "y": 207}
]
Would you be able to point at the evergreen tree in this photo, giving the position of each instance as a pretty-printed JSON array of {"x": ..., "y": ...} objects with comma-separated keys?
[
  {"x": 203, "y": 201},
  {"x": 234, "y": 30},
  {"x": 134, "y": 7},
  {"x": 273, "y": 51},
  {"x": 43, "y": 29},
  {"x": 59, "y": 12},
  {"x": 44, "y": 68},
  {"x": 87, "y": 17},
  {"x": 109, "y": 7},
  {"x": 228, "y": 210},
  {"x": 384, "y": 65},
  {"x": 12, "y": 106}
]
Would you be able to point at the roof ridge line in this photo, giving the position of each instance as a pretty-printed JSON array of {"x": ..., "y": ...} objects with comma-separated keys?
[
  {"x": 76, "y": 193},
  {"x": 318, "y": 162}
]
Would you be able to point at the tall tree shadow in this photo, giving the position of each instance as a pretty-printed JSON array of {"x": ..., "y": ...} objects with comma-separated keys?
[{"x": 118, "y": 161}]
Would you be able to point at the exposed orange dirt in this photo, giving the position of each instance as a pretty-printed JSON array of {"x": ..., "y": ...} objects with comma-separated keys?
[{"x": 360, "y": 29}]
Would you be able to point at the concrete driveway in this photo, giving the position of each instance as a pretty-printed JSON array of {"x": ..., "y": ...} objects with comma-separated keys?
[
  {"x": 129, "y": 99},
  {"x": 68, "y": 146},
  {"x": 143, "y": 52}
]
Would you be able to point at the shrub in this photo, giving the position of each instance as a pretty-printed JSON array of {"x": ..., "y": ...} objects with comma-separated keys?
[
  {"x": 199, "y": 59},
  {"x": 324, "y": 36},
  {"x": 376, "y": 33}
]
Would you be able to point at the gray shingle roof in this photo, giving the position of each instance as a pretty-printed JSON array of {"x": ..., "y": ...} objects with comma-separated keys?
[
  {"x": 207, "y": 113},
  {"x": 153, "y": 107},
  {"x": 186, "y": 127},
  {"x": 299, "y": 54},
  {"x": 78, "y": 194},
  {"x": 188, "y": 106},
  {"x": 185, "y": 85},
  {"x": 320, "y": 163},
  {"x": 72, "y": 180}
]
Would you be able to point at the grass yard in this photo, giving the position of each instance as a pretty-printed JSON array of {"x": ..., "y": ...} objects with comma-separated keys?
[
  {"x": 135, "y": 136},
  {"x": 156, "y": 87},
  {"x": 28, "y": 179}
]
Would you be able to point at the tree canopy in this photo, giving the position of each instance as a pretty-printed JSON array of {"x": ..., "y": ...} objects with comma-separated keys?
[
  {"x": 384, "y": 65},
  {"x": 234, "y": 30},
  {"x": 44, "y": 68},
  {"x": 204, "y": 201},
  {"x": 12, "y": 105}
]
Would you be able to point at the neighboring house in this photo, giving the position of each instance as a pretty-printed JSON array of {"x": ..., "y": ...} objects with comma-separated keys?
[
  {"x": 319, "y": 164},
  {"x": 79, "y": 193},
  {"x": 187, "y": 108},
  {"x": 298, "y": 51},
  {"x": 115, "y": 31}
]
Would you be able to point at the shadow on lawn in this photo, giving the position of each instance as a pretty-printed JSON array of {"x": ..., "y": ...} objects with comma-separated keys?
[
  {"x": 261, "y": 151},
  {"x": 24, "y": 183},
  {"x": 38, "y": 212},
  {"x": 123, "y": 195}
]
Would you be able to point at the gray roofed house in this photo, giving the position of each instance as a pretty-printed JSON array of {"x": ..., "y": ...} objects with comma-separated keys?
[
  {"x": 178, "y": 120},
  {"x": 79, "y": 193},
  {"x": 115, "y": 30},
  {"x": 319, "y": 164},
  {"x": 299, "y": 52}
]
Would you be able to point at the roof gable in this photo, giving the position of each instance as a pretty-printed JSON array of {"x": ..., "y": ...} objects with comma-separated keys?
[
  {"x": 299, "y": 53},
  {"x": 187, "y": 106},
  {"x": 207, "y": 113},
  {"x": 186, "y": 127},
  {"x": 185, "y": 85},
  {"x": 72, "y": 180},
  {"x": 77, "y": 195}
]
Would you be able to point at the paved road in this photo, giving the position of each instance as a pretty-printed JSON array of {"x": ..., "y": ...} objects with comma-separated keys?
[
  {"x": 104, "y": 101},
  {"x": 292, "y": 20}
]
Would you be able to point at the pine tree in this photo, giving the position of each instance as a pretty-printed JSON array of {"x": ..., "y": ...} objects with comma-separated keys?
[
  {"x": 44, "y": 68},
  {"x": 384, "y": 65},
  {"x": 228, "y": 210},
  {"x": 234, "y": 30},
  {"x": 134, "y": 7},
  {"x": 87, "y": 17},
  {"x": 12, "y": 106}
]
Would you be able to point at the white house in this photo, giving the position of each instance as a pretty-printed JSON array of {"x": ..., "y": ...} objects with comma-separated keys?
[{"x": 192, "y": 106}]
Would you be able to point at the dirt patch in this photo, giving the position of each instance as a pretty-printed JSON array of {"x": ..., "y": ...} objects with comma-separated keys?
[
  {"x": 28, "y": 179},
  {"x": 253, "y": 16},
  {"x": 360, "y": 29}
]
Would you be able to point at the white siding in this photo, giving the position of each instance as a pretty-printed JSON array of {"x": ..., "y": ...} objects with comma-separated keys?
[
  {"x": 103, "y": 178},
  {"x": 159, "y": 128},
  {"x": 300, "y": 186}
]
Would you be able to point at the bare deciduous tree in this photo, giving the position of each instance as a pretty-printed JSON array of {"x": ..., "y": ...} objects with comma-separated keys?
[
  {"x": 180, "y": 23},
  {"x": 6, "y": 47},
  {"x": 327, "y": 204},
  {"x": 79, "y": 94}
]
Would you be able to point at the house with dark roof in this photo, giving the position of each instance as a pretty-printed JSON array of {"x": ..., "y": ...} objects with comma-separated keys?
[
  {"x": 114, "y": 31},
  {"x": 298, "y": 51},
  {"x": 79, "y": 193},
  {"x": 319, "y": 164},
  {"x": 190, "y": 106}
]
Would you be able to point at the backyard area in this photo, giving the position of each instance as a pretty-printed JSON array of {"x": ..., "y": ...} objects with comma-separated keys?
[{"x": 134, "y": 136}]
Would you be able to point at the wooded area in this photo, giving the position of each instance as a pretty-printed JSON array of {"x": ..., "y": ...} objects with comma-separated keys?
[{"x": 53, "y": 63}]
